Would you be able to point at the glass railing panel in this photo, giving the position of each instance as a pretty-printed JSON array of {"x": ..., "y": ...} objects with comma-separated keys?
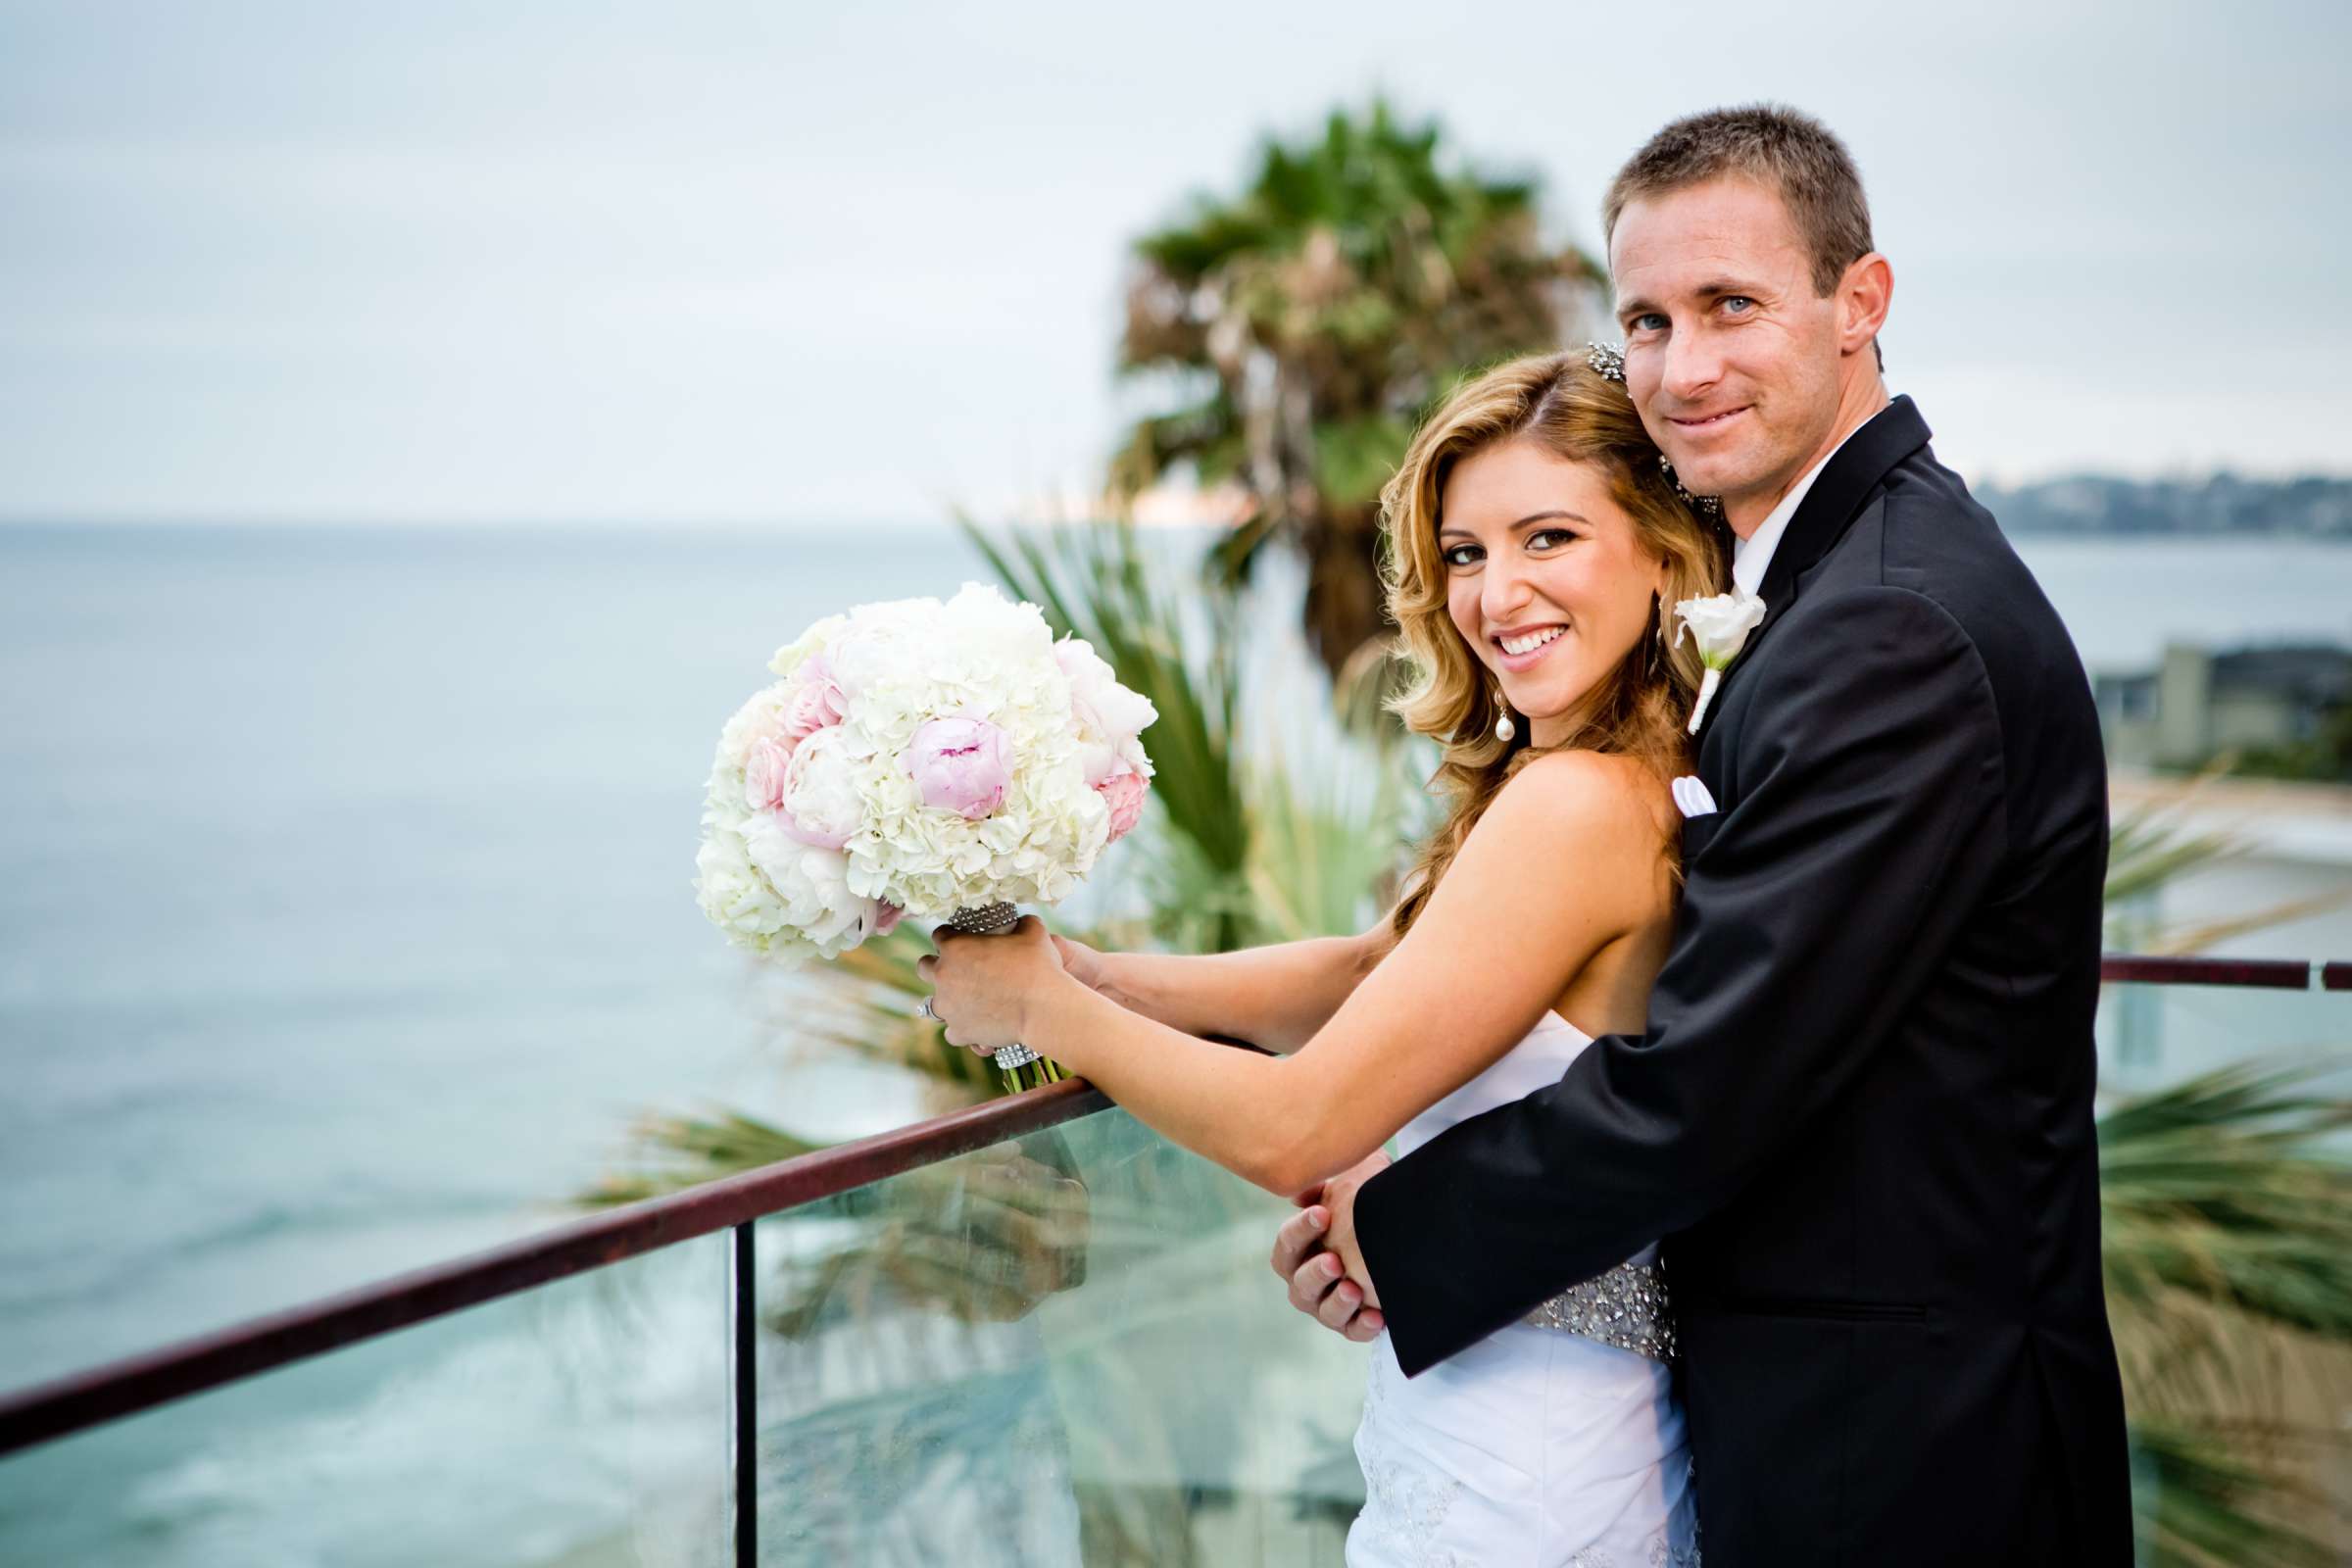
[
  {"x": 2152, "y": 1035},
  {"x": 581, "y": 1424},
  {"x": 1066, "y": 1349}
]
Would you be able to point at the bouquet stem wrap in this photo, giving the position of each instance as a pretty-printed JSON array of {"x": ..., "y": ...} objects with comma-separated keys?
[{"x": 1022, "y": 1067}]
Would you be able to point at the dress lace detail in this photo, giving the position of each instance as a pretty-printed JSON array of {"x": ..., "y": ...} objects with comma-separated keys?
[
  {"x": 1662, "y": 1553},
  {"x": 1406, "y": 1508}
]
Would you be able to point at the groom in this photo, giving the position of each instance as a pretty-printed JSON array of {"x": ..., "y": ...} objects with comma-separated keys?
[{"x": 1861, "y": 1117}]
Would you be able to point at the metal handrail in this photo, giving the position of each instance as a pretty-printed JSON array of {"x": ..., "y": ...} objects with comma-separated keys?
[
  {"x": 2271, "y": 974},
  {"x": 45, "y": 1411},
  {"x": 135, "y": 1383}
]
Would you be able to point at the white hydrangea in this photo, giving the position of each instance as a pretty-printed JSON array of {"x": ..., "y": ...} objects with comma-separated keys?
[
  {"x": 793, "y": 654},
  {"x": 1065, "y": 724}
]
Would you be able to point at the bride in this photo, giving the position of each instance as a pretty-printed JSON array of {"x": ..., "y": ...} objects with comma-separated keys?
[{"x": 1535, "y": 550}]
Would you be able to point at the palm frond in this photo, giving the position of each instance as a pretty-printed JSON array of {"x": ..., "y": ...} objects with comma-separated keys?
[
  {"x": 2151, "y": 844},
  {"x": 1234, "y": 558},
  {"x": 2228, "y": 1189},
  {"x": 2226, "y": 1219},
  {"x": 1096, "y": 583},
  {"x": 2200, "y": 936},
  {"x": 689, "y": 1150},
  {"x": 2207, "y": 1495},
  {"x": 1326, "y": 844},
  {"x": 1195, "y": 904}
]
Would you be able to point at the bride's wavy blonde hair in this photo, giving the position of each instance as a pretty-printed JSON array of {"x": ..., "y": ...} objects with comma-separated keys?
[{"x": 1569, "y": 409}]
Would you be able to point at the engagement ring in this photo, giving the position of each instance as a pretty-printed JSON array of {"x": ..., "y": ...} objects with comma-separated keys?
[{"x": 926, "y": 1010}]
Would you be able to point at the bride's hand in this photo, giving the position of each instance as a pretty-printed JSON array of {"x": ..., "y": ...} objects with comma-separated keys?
[
  {"x": 981, "y": 987},
  {"x": 1092, "y": 968},
  {"x": 1084, "y": 964}
]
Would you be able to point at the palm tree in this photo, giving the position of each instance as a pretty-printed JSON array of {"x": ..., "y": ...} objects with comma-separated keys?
[{"x": 1311, "y": 317}]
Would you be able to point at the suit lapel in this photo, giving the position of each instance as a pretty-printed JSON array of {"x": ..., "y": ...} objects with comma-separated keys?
[{"x": 1829, "y": 508}]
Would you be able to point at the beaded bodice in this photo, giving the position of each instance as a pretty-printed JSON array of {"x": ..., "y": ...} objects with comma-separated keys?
[{"x": 1627, "y": 1308}]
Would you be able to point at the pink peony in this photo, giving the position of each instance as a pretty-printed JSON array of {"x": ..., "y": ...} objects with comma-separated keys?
[
  {"x": 1124, "y": 793},
  {"x": 815, "y": 704},
  {"x": 886, "y": 918},
  {"x": 763, "y": 774},
  {"x": 959, "y": 765}
]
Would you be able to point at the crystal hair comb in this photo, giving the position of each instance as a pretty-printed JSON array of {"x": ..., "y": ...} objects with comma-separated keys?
[{"x": 1609, "y": 359}]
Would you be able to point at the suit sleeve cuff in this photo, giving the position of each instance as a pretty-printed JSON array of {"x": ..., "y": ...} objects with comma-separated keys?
[{"x": 1382, "y": 1234}]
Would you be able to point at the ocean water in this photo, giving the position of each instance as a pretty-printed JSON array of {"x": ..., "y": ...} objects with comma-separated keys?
[
  {"x": 345, "y": 916},
  {"x": 2124, "y": 599},
  {"x": 345, "y": 906}
]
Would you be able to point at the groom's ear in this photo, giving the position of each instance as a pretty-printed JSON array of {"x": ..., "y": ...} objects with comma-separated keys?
[{"x": 1863, "y": 294}]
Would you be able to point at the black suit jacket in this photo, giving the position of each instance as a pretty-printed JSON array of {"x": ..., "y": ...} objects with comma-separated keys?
[{"x": 1861, "y": 1117}]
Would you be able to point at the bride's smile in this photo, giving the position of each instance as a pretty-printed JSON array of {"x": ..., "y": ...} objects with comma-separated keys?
[{"x": 1521, "y": 649}]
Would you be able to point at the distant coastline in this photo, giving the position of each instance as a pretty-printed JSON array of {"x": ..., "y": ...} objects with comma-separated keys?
[{"x": 2223, "y": 506}]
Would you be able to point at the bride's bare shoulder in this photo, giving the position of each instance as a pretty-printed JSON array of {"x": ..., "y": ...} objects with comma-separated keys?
[
  {"x": 1583, "y": 792},
  {"x": 1574, "y": 834}
]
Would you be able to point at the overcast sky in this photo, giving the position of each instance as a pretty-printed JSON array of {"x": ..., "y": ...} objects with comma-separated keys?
[{"x": 736, "y": 262}]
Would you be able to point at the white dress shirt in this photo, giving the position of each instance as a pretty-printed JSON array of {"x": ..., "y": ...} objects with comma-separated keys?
[{"x": 1752, "y": 555}]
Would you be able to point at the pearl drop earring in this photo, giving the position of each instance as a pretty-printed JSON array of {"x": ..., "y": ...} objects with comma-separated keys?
[{"x": 1504, "y": 728}]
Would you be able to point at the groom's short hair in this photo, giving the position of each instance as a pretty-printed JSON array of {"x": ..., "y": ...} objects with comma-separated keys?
[{"x": 1795, "y": 153}]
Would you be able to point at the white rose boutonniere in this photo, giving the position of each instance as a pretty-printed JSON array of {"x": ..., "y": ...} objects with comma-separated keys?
[{"x": 1720, "y": 626}]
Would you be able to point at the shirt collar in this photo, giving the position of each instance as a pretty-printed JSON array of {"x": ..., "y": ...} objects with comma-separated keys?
[{"x": 1752, "y": 557}]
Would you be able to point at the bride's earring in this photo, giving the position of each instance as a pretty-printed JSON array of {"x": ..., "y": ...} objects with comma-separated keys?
[{"x": 1504, "y": 728}]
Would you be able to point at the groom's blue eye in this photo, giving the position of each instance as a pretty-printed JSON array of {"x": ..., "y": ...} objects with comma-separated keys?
[
  {"x": 1647, "y": 321},
  {"x": 1739, "y": 303}
]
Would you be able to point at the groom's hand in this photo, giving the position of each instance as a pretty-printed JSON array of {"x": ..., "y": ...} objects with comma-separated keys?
[{"x": 1316, "y": 1255}]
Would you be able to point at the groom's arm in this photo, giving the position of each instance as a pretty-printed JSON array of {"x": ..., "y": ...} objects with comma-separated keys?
[{"x": 1869, "y": 821}]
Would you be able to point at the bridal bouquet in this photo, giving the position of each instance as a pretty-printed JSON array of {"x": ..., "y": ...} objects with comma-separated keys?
[{"x": 913, "y": 758}]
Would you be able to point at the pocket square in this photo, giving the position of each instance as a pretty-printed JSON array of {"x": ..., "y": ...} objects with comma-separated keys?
[{"x": 1690, "y": 797}]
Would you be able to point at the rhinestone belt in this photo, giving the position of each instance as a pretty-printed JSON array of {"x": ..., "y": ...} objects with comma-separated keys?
[{"x": 1626, "y": 1307}]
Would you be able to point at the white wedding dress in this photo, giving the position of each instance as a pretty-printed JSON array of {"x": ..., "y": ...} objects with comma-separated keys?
[{"x": 1539, "y": 1446}]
